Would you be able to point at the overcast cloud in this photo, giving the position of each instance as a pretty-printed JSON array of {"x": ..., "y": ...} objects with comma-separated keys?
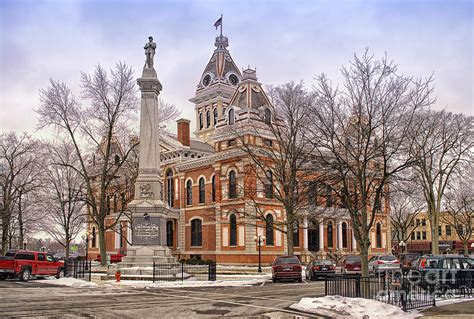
[{"x": 285, "y": 40}]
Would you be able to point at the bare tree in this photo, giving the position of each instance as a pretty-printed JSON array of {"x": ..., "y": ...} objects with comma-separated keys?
[
  {"x": 444, "y": 141},
  {"x": 459, "y": 200},
  {"x": 18, "y": 159},
  {"x": 405, "y": 205},
  {"x": 361, "y": 139},
  {"x": 112, "y": 104},
  {"x": 167, "y": 112},
  {"x": 63, "y": 195},
  {"x": 277, "y": 169}
]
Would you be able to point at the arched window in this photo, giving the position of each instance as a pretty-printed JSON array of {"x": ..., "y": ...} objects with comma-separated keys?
[
  {"x": 269, "y": 230},
  {"x": 208, "y": 118},
  {"x": 378, "y": 236},
  {"x": 196, "y": 232},
  {"x": 344, "y": 235},
  {"x": 296, "y": 234},
  {"x": 169, "y": 187},
  {"x": 232, "y": 185},
  {"x": 215, "y": 116},
  {"x": 169, "y": 233},
  {"x": 328, "y": 196},
  {"x": 200, "y": 121},
  {"x": 117, "y": 160},
  {"x": 115, "y": 202},
  {"x": 269, "y": 184},
  {"x": 94, "y": 238},
  {"x": 267, "y": 116},
  {"x": 214, "y": 188},
  {"x": 330, "y": 235},
  {"x": 231, "y": 117},
  {"x": 202, "y": 190},
  {"x": 233, "y": 230},
  {"x": 189, "y": 192}
]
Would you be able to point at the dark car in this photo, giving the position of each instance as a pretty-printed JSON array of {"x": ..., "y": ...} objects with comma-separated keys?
[
  {"x": 352, "y": 264},
  {"x": 286, "y": 267},
  {"x": 443, "y": 271},
  {"x": 320, "y": 268},
  {"x": 407, "y": 260}
]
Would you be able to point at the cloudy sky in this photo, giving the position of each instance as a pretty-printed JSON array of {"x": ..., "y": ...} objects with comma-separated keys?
[{"x": 285, "y": 40}]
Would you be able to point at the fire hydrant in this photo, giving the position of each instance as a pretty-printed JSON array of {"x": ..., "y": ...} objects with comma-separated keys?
[{"x": 117, "y": 275}]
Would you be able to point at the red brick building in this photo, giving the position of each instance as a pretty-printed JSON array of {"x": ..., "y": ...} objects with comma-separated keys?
[{"x": 206, "y": 180}]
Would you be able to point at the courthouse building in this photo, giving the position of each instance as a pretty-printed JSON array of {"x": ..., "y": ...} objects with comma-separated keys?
[{"x": 204, "y": 178}]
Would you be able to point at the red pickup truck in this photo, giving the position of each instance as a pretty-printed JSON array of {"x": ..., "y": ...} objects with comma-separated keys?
[{"x": 25, "y": 263}]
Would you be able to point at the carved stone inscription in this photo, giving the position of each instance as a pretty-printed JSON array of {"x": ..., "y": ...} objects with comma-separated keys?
[{"x": 146, "y": 231}]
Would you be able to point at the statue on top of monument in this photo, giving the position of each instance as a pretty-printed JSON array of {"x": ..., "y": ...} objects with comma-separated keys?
[{"x": 149, "y": 53}]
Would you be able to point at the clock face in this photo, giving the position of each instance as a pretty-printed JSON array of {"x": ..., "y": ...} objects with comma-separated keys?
[
  {"x": 206, "y": 80},
  {"x": 233, "y": 79}
]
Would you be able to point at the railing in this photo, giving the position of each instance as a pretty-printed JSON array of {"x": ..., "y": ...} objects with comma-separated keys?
[
  {"x": 78, "y": 268},
  {"x": 183, "y": 271}
]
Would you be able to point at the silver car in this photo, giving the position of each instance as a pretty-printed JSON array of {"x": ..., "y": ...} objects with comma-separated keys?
[{"x": 383, "y": 263}]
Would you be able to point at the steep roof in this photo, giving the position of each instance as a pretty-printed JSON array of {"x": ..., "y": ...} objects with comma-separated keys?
[{"x": 249, "y": 93}]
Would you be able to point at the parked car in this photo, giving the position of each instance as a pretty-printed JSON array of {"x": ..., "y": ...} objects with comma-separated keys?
[
  {"x": 320, "y": 268},
  {"x": 352, "y": 264},
  {"x": 444, "y": 271},
  {"x": 407, "y": 260},
  {"x": 25, "y": 263},
  {"x": 286, "y": 267},
  {"x": 383, "y": 263}
]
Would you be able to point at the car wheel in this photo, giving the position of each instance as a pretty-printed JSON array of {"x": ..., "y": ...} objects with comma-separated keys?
[
  {"x": 25, "y": 274},
  {"x": 300, "y": 279},
  {"x": 60, "y": 273},
  {"x": 274, "y": 280},
  {"x": 3, "y": 277}
]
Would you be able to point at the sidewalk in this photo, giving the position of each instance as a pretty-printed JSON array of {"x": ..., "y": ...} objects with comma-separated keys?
[{"x": 455, "y": 310}]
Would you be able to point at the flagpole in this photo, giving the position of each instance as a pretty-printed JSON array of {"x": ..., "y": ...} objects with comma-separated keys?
[{"x": 221, "y": 24}]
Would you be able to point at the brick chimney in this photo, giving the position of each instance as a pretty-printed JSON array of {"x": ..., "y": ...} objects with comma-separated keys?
[{"x": 183, "y": 131}]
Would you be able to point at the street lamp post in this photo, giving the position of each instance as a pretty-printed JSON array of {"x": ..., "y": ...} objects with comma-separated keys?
[
  {"x": 402, "y": 245},
  {"x": 86, "y": 239},
  {"x": 259, "y": 239},
  {"x": 25, "y": 242}
]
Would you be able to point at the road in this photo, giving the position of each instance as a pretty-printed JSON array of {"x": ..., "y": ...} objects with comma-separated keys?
[{"x": 42, "y": 300}]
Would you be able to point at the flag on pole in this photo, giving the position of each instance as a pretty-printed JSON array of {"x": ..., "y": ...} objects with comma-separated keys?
[{"x": 218, "y": 22}]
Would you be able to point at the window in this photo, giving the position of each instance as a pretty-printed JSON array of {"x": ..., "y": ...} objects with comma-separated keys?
[
  {"x": 94, "y": 238},
  {"x": 268, "y": 143},
  {"x": 208, "y": 118},
  {"x": 313, "y": 193},
  {"x": 120, "y": 234},
  {"x": 231, "y": 142},
  {"x": 440, "y": 231},
  {"x": 115, "y": 202},
  {"x": 108, "y": 204},
  {"x": 40, "y": 257},
  {"x": 189, "y": 192},
  {"x": 215, "y": 116},
  {"x": 413, "y": 236},
  {"x": 378, "y": 235},
  {"x": 296, "y": 234},
  {"x": 232, "y": 185},
  {"x": 418, "y": 235},
  {"x": 267, "y": 116},
  {"x": 200, "y": 121},
  {"x": 328, "y": 196},
  {"x": 448, "y": 230},
  {"x": 49, "y": 258},
  {"x": 169, "y": 233},
  {"x": 423, "y": 222},
  {"x": 169, "y": 187},
  {"x": 117, "y": 160},
  {"x": 214, "y": 188},
  {"x": 423, "y": 235},
  {"x": 460, "y": 230},
  {"x": 233, "y": 230},
  {"x": 231, "y": 117},
  {"x": 223, "y": 111},
  {"x": 196, "y": 232},
  {"x": 417, "y": 222},
  {"x": 269, "y": 185},
  {"x": 202, "y": 190},
  {"x": 269, "y": 230},
  {"x": 344, "y": 235},
  {"x": 330, "y": 235}
]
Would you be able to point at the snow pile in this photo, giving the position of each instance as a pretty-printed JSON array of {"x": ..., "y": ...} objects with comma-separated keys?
[
  {"x": 343, "y": 307},
  {"x": 69, "y": 282},
  {"x": 185, "y": 284}
]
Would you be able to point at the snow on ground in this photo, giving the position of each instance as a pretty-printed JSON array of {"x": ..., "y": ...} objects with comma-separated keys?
[
  {"x": 444, "y": 302},
  {"x": 70, "y": 282},
  {"x": 343, "y": 307},
  {"x": 183, "y": 284}
]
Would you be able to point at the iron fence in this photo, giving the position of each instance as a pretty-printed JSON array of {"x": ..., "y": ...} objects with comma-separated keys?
[
  {"x": 78, "y": 268},
  {"x": 182, "y": 271}
]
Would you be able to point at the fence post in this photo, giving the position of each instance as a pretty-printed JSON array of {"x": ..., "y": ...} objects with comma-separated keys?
[
  {"x": 357, "y": 286},
  {"x": 182, "y": 271},
  {"x": 326, "y": 286},
  {"x": 154, "y": 271},
  {"x": 90, "y": 270}
]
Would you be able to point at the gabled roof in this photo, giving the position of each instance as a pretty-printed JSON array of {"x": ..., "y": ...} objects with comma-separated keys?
[{"x": 249, "y": 93}]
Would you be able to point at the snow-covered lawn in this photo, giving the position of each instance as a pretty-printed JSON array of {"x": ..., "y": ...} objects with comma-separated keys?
[
  {"x": 343, "y": 307},
  {"x": 70, "y": 282},
  {"x": 184, "y": 284}
]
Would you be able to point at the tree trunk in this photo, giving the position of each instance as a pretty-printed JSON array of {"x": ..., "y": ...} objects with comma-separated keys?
[
  {"x": 289, "y": 238},
  {"x": 434, "y": 233},
  {"x": 5, "y": 240},
  {"x": 102, "y": 246},
  {"x": 68, "y": 246},
  {"x": 466, "y": 251},
  {"x": 364, "y": 256}
]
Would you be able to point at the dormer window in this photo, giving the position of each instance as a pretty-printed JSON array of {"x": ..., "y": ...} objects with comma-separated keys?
[
  {"x": 231, "y": 117},
  {"x": 267, "y": 116}
]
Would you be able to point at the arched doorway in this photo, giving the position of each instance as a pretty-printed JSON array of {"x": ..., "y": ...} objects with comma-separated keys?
[{"x": 313, "y": 236}]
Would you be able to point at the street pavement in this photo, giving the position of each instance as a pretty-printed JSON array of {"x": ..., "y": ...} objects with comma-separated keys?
[
  {"x": 456, "y": 310},
  {"x": 262, "y": 301}
]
